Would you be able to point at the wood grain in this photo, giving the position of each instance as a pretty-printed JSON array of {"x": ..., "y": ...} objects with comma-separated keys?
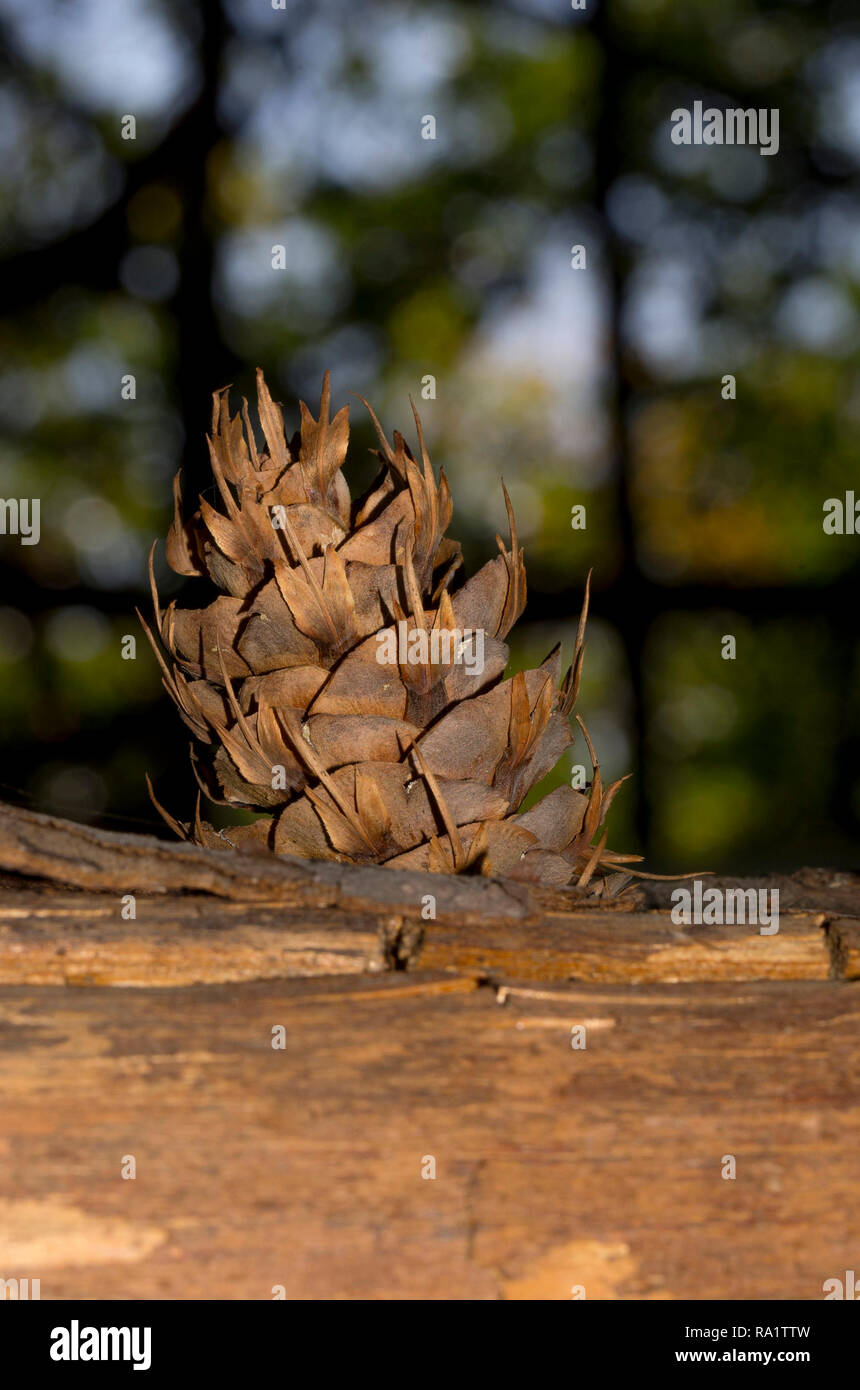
[
  {"x": 302, "y": 1167},
  {"x": 636, "y": 948},
  {"x": 82, "y": 938},
  {"x": 299, "y": 1167},
  {"x": 844, "y": 941}
]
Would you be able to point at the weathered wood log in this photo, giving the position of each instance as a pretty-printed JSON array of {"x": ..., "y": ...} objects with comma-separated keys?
[
  {"x": 308, "y": 1167},
  {"x": 532, "y": 1094},
  {"x": 80, "y": 856},
  {"x": 181, "y": 939},
  {"x": 220, "y": 916}
]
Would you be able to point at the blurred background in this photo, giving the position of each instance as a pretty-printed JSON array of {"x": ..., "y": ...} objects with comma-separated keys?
[{"x": 407, "y": 258}]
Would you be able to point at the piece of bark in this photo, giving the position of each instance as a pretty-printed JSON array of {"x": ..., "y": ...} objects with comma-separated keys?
[
  {"x": 634, "y": 948},
  {"x": 82, "y": 939},
  {"x": 181, "y": 939},
  {"x": 40, "y": 846},
  {"x": 834, "y": 891},
  {"x": 230, "y": 916},
  {"x": 844, "y": 939}
]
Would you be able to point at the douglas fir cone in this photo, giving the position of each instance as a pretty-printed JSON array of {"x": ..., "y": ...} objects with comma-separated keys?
[{"x": 347, "y": 683}]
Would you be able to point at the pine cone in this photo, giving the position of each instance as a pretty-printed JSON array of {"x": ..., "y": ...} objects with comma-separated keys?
[{"x": 347, "y": 684}]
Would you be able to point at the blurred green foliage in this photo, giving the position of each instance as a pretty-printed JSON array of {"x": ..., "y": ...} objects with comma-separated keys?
[{"x": 450, "y": 258}]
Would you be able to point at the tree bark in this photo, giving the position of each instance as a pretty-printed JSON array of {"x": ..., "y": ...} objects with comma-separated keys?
[{"x": 325, "y": 1094}]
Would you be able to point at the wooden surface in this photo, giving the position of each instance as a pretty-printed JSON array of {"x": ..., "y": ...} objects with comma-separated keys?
[
  {"x": 405, "y": 1040},
  {"x": 82, "y": 938},
  {"x": 554, "y": 1167}
]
